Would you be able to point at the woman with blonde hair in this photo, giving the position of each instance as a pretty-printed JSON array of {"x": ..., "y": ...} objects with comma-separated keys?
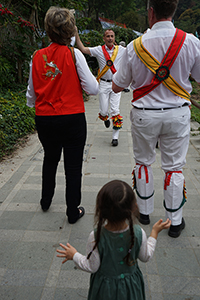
[{"x": 58, "y": 73}]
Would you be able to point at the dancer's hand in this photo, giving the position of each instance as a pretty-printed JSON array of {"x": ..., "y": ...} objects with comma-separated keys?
[{"x": 67, "y": 253}]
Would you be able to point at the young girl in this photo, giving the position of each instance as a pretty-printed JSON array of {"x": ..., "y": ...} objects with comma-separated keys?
[{"x": 114, "y": 246}]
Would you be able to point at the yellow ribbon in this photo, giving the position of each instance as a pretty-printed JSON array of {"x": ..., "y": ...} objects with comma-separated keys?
[{"x": 152, "y": 64}]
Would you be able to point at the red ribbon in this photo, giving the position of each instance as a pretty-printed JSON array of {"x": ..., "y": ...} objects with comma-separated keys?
[
  {"x": 167, "y": 61},
  {"x": 107, "y": 57},
  {"x": 146, "y": 173},
  {"x": 168, "y": 176}
]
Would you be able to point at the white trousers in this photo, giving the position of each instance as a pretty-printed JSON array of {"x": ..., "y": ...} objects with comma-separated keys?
[
  {"x": 172, "y": 128},
  {"x": 108, "y": 98}
]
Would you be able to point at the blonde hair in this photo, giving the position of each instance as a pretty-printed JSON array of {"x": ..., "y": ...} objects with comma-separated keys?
[{"x": 59, "y": 25}]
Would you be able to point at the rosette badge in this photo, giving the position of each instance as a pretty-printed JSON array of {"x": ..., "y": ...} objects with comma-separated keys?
[
  {"x": 162, "y": 73},
  {"x": 109, "y": 63}
]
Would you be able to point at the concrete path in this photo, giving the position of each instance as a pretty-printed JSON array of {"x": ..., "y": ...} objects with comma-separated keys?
[{"x": 29, "y": 268}]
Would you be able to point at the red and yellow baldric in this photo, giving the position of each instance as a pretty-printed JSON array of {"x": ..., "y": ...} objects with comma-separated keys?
[
  {"x": 161, "y": 70},
  {"x": 109, "y": 61}
]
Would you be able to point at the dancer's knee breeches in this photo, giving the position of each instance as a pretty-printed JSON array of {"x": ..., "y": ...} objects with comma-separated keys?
[{"x": 174, "y": 191}]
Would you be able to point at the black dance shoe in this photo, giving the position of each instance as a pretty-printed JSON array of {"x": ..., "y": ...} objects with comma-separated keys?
[
  {"x": 144, "y": 219},
  {"x": 114, "y": 143},
  {"x": 107, "y": 123},
  {"x": 175, "y": 230}
]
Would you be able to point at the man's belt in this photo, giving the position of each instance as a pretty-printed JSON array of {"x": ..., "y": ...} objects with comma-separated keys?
[
  {"x": 164, "y": 108},
  {"x": 107, "y": 80},
  {"x": 109, "y": 61},
  {"x": 161, "y": 70}
]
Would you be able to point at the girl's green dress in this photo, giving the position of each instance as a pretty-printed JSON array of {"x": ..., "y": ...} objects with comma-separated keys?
[{"x": 115, "y": 280}]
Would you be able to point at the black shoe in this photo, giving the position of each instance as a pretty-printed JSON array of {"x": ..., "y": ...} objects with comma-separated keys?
[
  {"x": 175, "y": 230},
  {"x": 107, "y": 123},
  {"x": 114, "y": 143},
  {"x": 81, "y": 214},
  {"x": 126, "y": 90},
  {"x": 144, "y": 219},
  {"x": 44, "y": 207}
]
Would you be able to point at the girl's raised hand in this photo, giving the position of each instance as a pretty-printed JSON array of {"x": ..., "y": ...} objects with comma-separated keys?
[
  {"x": 67, "y": 253},
  {"x": 159, "y": 226}
]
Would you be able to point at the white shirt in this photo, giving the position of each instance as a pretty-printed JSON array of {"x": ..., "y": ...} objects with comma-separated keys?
[
  {"x": 98, "y": 53},
  {"x": 92, "y": 264},
  {"x": 73, "y": 40},
  {"x": 157, "y": 41},
  {"x": 88, "y": 82}
]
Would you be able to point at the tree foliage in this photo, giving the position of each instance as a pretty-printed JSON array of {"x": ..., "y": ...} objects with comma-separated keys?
[
  {"x": 189, "y": 20},
  {"x": 129, "y": 18},
  {"x": 22, "y": 31},
  {"x": 22, "y": 26},
  {"x": 109, "y": 9},
  {"x": 184, "y": 5}
]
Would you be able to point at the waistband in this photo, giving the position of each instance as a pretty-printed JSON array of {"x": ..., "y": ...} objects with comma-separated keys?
[
  {"x": 107, "y": 80},
  {"x": 165, "y": 108}
]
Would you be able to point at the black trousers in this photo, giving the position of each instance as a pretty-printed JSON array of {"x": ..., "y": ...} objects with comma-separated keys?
[{"x": 67, "y": 133}]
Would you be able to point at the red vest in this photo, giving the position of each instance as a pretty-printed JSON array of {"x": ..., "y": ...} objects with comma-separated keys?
[{"x": 56, "y": 83}]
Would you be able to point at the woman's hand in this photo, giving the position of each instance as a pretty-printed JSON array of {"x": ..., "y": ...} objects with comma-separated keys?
[{"x": 67, "y": 253}]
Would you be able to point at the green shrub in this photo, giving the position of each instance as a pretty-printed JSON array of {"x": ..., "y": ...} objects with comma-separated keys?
[
  {"x": 6, "y": 72},
  {"x": 16, "y": 120}
]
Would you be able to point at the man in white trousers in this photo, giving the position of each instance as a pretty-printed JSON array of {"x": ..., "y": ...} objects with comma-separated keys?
[
  {"x": 108, "y": 57},
  {"x": 158, "y": 66}
]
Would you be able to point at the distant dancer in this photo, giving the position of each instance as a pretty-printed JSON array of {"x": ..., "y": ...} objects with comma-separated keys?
[
  {"x": 114, "y": 247},
  {"x": 60, "y": 113},
  {"x": 108, "y": 57}
]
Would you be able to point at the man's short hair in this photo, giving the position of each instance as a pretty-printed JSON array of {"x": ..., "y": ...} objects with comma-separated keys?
[
  {"x": 163, "y": 9},
  {"x": 109, "y": 29}
]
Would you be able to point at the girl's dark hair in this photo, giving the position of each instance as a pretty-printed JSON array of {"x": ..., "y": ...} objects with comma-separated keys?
[
  {"x": 115, "y": 203},
  {"x": 59, "y": 25}
]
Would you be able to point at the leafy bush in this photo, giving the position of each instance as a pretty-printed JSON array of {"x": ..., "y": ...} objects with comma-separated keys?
[
  {"x": 195, "y": 112},
  {"x": 16, "y": 120},
  {"x": 6, "y": 72},
  {"x": 124, "y": 34}
]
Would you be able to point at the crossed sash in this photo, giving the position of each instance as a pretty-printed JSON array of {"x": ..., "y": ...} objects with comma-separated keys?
[
  {"x": 161, "y": 70},
  {"x": 109, "y": 62}
]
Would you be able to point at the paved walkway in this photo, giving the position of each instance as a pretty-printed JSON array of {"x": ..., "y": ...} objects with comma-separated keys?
[{"x": 29, "y": 268}]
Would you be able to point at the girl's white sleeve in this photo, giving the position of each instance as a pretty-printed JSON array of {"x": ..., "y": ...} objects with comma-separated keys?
[
  {"x": 30, "y": 93},
  {"x": 88, "y": 82},
  {"x": 147, "y": 247},
  {"x": 92, "y": 264}
]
